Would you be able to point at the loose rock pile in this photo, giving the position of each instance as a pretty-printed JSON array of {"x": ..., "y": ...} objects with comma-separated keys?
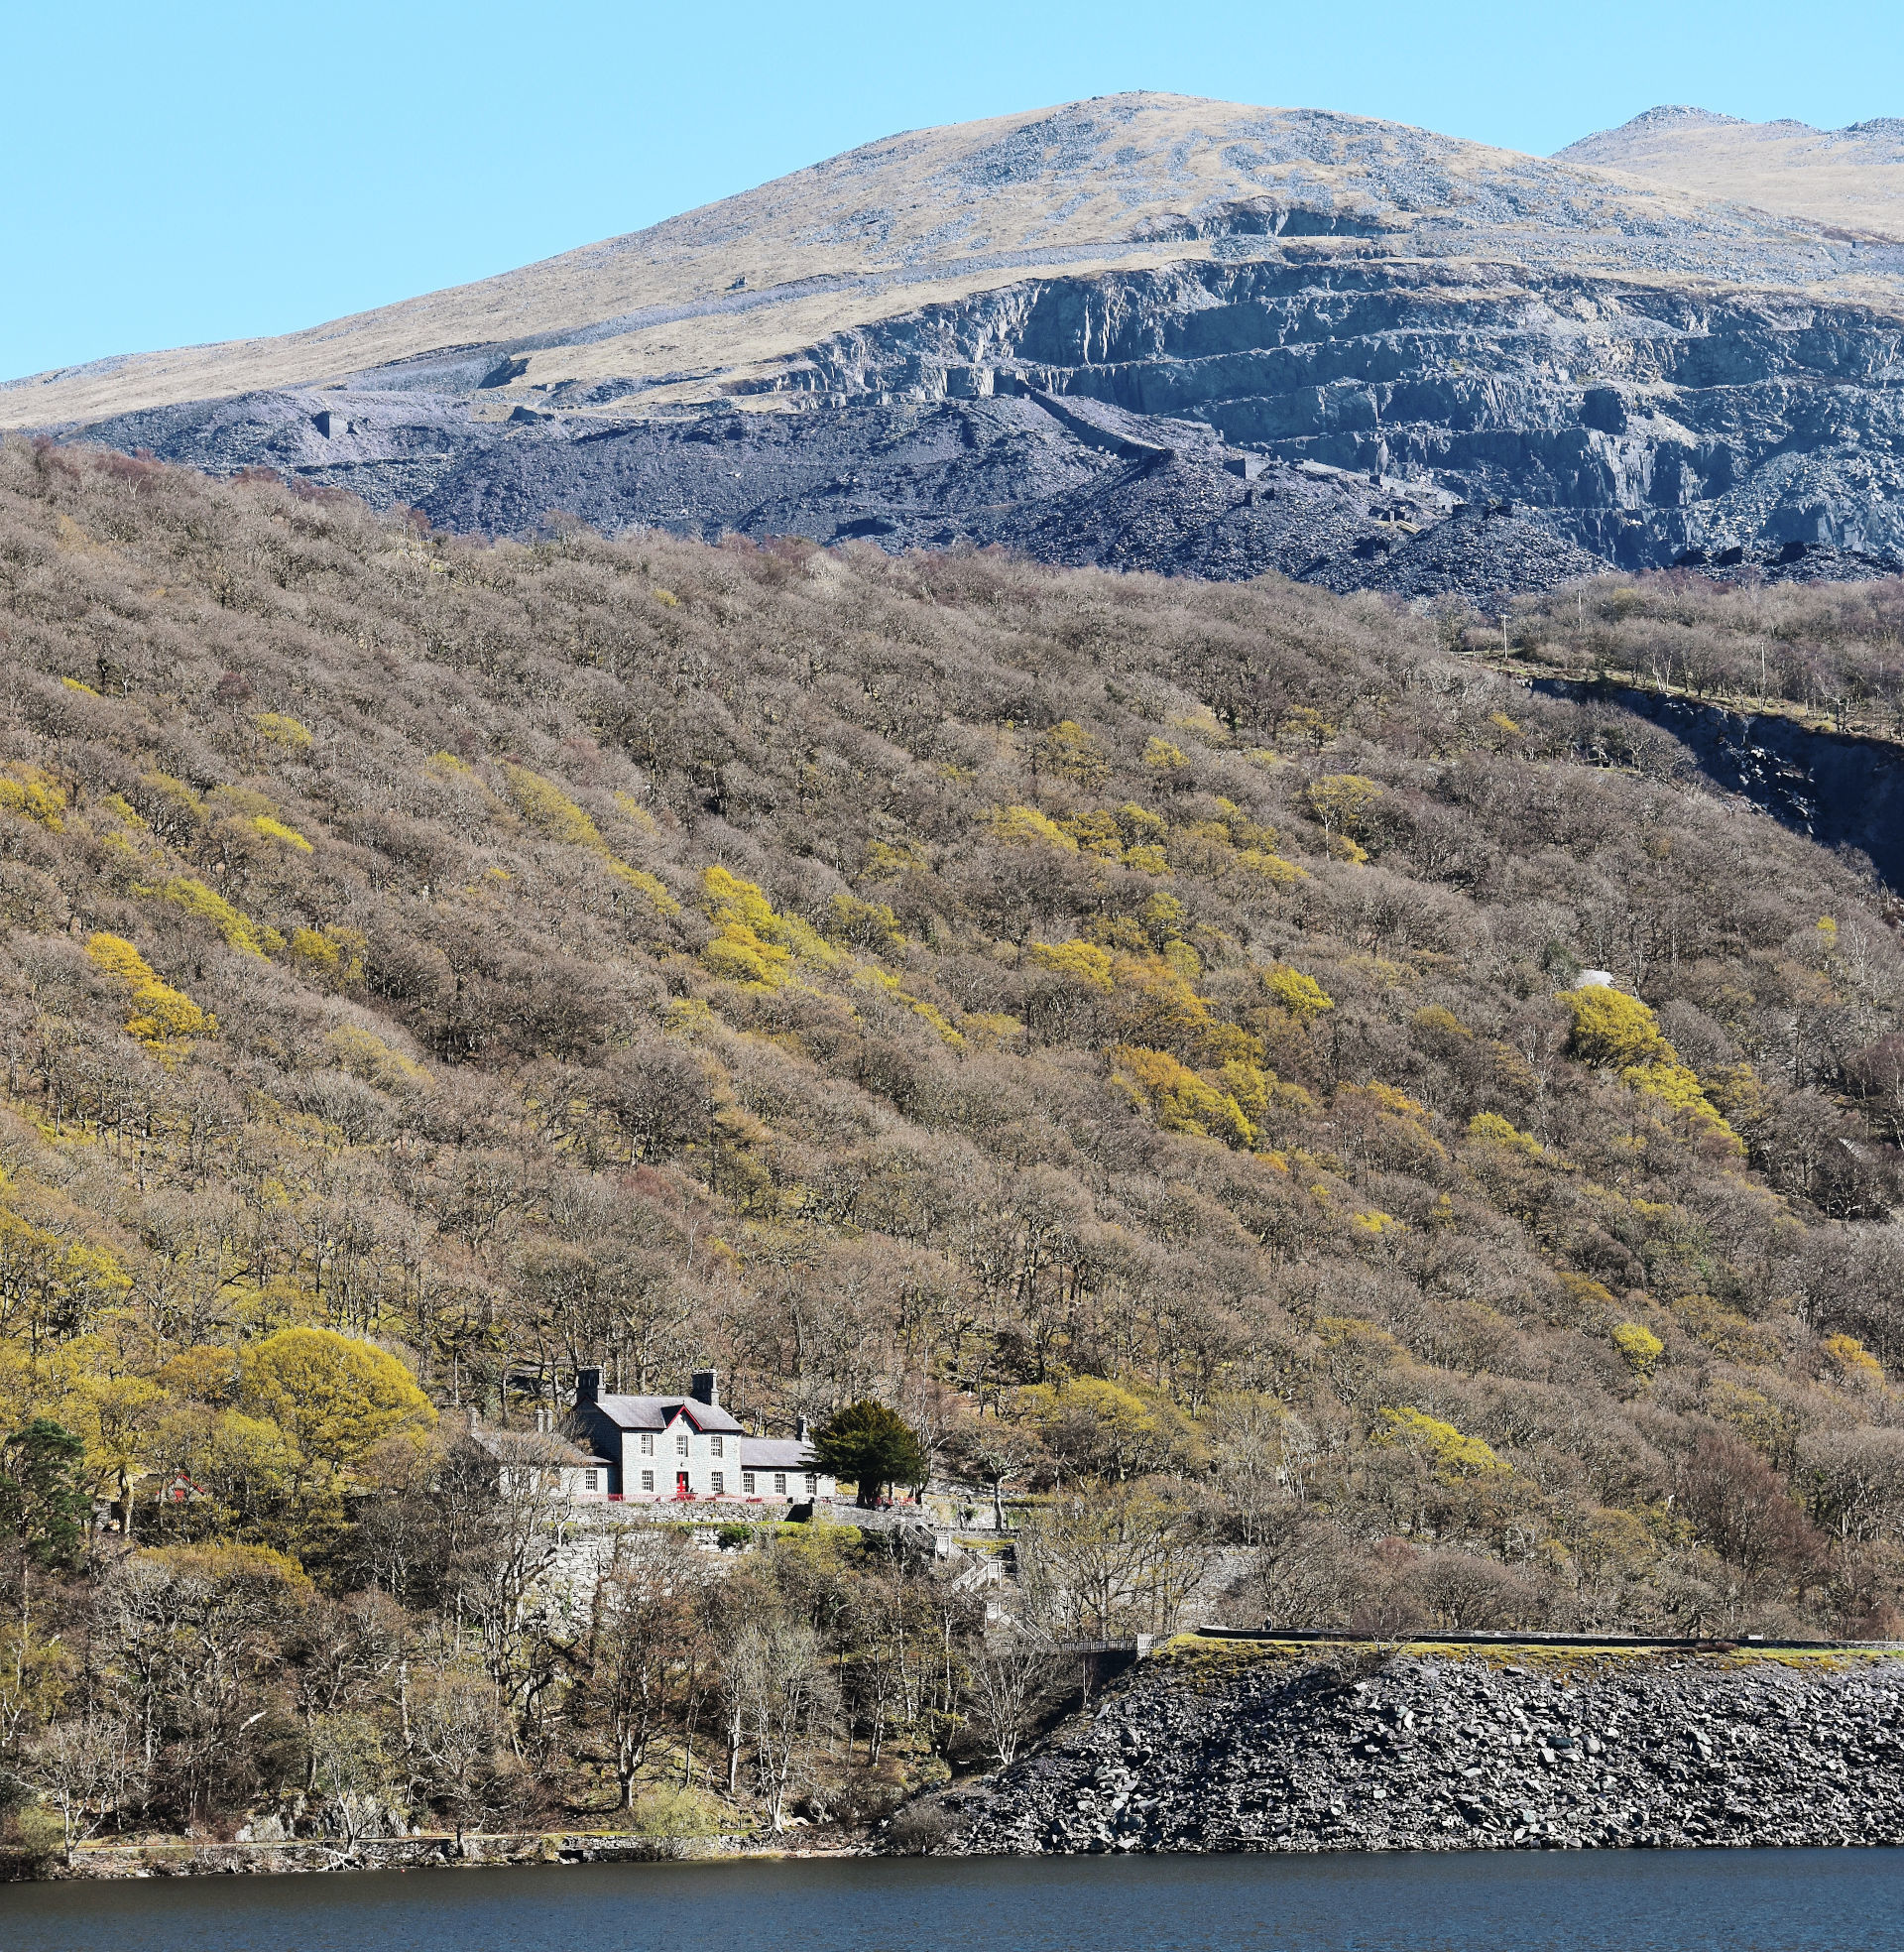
[{"x": 1205, "y": 1750}]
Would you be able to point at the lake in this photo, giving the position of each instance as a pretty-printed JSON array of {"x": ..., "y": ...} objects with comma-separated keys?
[{"x": 1792, "y": 1900}]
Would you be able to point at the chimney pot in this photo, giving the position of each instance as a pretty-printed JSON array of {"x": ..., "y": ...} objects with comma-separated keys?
[
  {"x": 588, "y": 1385},
  {"x": 707, "y": 1387}
]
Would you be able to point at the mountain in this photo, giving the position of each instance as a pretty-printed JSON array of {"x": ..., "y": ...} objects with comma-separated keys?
[
  {"x": 1143, "y": 331},
  {"x": 1852, "y": 177}
]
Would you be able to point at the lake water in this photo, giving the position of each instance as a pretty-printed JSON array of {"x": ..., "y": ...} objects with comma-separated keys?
[{"x": 1767, "y": 1901}]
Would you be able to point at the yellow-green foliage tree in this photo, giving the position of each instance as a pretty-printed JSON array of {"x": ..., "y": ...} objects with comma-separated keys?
[
  {"x": 207, "y": 904},
  {"x": 1342, "y": 803},
  {"x": 752, "y": 944},
  {"x": 1642, "y": 1348},
  {"x": 1181, "y": 1100},
  {"x": 1302, "y": 996},
  {"x": 337, "y": 1398},
  {"x": 551, "y": 812},
  {"x": 1619, "y": 1032},
  {"x": 1083, "y": 963},
  {"x": 1072, "y": 752},
  {"x": 1455, "y": 1456},
  {"x": 159, "y": 1013},
  {"x": 1096, "y": 1428},
  {"x": 53, "y": 1288},
  {"x": 1025, "y": 826},
  {"x": 34, "y": 793},
  {"x": 1612, "y": 1029}
]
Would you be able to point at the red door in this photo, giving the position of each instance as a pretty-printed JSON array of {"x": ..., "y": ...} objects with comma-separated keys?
[{"x": 680, "y": 1485}]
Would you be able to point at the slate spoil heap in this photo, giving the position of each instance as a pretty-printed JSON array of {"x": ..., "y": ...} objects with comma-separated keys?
[{"x": 1460, "y": 1753}]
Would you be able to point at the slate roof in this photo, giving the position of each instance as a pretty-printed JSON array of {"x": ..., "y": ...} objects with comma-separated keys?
[
  {"x": 657, "y": 1412},
  {"x": 532, "y": 1447},
  {"x": 777, "y": 1454}
]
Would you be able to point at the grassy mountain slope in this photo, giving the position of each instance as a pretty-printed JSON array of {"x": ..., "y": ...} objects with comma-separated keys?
[
  {"x": 1852, "y": 177},
  {"x": 1124, "y": 1015}
]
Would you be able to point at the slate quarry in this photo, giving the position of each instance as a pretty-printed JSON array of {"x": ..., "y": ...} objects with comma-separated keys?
[
  {"x": 1614, "y": 1751},
  {"x": 1144, "y": 332},
  {"x": 1317, "y": 421}
]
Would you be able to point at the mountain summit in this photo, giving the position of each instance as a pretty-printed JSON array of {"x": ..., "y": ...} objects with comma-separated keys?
[
  {"x": 1146, "y": 330},
  {"x": 1853, "y": 176},
  {"x": 1126, "y": 179}
]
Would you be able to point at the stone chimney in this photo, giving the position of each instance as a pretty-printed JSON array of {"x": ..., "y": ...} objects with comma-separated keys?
[
  {"x": 588, "y": 1385},
  {"x": 706, "y": 1388},
  {"x": 803, "y": 1429}
]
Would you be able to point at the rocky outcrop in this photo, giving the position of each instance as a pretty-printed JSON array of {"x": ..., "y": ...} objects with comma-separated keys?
[
  {"x": 1212, "y": 1748},
  {"x": 1843, "y": 790}
]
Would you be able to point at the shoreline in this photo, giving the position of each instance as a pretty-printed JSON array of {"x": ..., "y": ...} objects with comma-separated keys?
[
  {"x": 114, "y": 1862},
  {"x": 1236, "y": 1744},
  {"x": 111, "y": 1860}
]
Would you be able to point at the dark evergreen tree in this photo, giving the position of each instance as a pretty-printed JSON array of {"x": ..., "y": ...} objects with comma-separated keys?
[
  {"x": 873, "y": 1446},
  {"x": 43, "y": 1501}
]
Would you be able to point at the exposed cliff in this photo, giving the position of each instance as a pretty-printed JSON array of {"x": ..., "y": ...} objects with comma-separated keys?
[
  {"x": 1842, "y": 790},
  {"x": 1212, "y": 1748}
]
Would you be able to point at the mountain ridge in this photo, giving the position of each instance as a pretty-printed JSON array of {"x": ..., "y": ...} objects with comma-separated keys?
[
  {"x": 1852, "y": 177},
  {"x": 1314, "y": 156}
]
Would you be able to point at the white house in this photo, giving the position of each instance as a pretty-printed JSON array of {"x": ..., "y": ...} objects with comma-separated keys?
[{"x": 689, "y": 1447}]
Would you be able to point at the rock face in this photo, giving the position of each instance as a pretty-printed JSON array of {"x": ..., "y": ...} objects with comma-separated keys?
[
  {"x": 1193, "y": 1753},
  {"x": 1638, "y": 423},
  {"x": 1842, "y": 790},
  {"x": 1147, "y": 332}
]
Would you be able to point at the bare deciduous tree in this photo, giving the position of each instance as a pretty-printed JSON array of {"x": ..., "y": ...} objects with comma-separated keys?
[
  {"x": 1111, "y": 1559},
  {"x": 88, "y": 1768},
  {"x": 1009, "y": 1681}
]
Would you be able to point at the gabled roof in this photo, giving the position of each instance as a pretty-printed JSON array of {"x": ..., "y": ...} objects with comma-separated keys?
[
  {"x": 657, "y": 1412},
  {"x": 777, "y": 1454},
  {"x": 541, "y": 1447}
]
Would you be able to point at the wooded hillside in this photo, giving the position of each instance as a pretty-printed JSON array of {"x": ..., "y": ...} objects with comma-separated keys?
[{"x": 1127, "y": 1025}]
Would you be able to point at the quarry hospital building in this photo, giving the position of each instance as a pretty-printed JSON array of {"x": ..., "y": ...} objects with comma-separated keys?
[{"x": 683, "y": 1447}]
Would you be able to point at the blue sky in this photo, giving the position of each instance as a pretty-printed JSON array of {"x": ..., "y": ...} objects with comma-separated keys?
[{"x": 192, "y": 171}]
